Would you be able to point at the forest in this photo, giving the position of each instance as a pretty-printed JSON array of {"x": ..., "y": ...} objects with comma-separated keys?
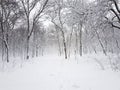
[
  {"x": 30, "y": 28},
  {"x": 59, "y": 44}
]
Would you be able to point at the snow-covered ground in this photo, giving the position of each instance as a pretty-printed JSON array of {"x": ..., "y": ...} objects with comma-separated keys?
[{"x": 55, "y": 73}]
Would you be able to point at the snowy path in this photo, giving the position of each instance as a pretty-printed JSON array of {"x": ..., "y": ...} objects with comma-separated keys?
[{"x": 59, "y": 74}]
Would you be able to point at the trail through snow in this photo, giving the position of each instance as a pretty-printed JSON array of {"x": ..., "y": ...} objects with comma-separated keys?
[{"x": 55, "y": 73}]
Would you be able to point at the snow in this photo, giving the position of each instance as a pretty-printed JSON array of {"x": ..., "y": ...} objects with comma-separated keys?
[{"x": 55, "y": 73}]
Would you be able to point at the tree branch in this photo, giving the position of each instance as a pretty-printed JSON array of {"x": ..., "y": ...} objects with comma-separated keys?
[
  {"x": 115, "y": 26},
  {"x": 40, "y": 11},
  {"x": 115, "y": 14},
  {"x": 35, "y": 19},
  {"x": 24, "y": 8},
  {"x": 116, "y": 5}
]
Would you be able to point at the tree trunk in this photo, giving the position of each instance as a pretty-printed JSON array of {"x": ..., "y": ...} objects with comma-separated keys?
[
  {"x": 37, "y": 51},
  {"x": 104, "y": 51},
  {"x": 59, "y": 45},
  {"x": 64, "y": 45},
  {"x": 80, "y": 33},
  {"x": 70, "y": 41},
  {"x": 7, "y": 49},
  {"x": 58, "y": 40},
  {"x": 76, "y": 42},
  {"x": 27, "y": 47},
  {"x": 28, "y": 30},
  {"x": 2, "y": 41}
]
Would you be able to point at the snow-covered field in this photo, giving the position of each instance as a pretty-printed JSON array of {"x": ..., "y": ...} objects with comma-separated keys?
[{"x": 55, "y": 73}]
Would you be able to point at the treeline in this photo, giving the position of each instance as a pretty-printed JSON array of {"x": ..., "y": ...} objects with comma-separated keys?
[{"x": 75, "y": 27}]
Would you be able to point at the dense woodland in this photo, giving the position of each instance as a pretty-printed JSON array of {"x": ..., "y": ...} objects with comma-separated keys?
[{"x": 30, "y": 28}]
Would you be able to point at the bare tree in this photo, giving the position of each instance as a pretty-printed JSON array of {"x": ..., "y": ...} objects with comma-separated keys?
[
  {"x": 29, "y": 6},
  {"x": 8, "y": 16}
]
